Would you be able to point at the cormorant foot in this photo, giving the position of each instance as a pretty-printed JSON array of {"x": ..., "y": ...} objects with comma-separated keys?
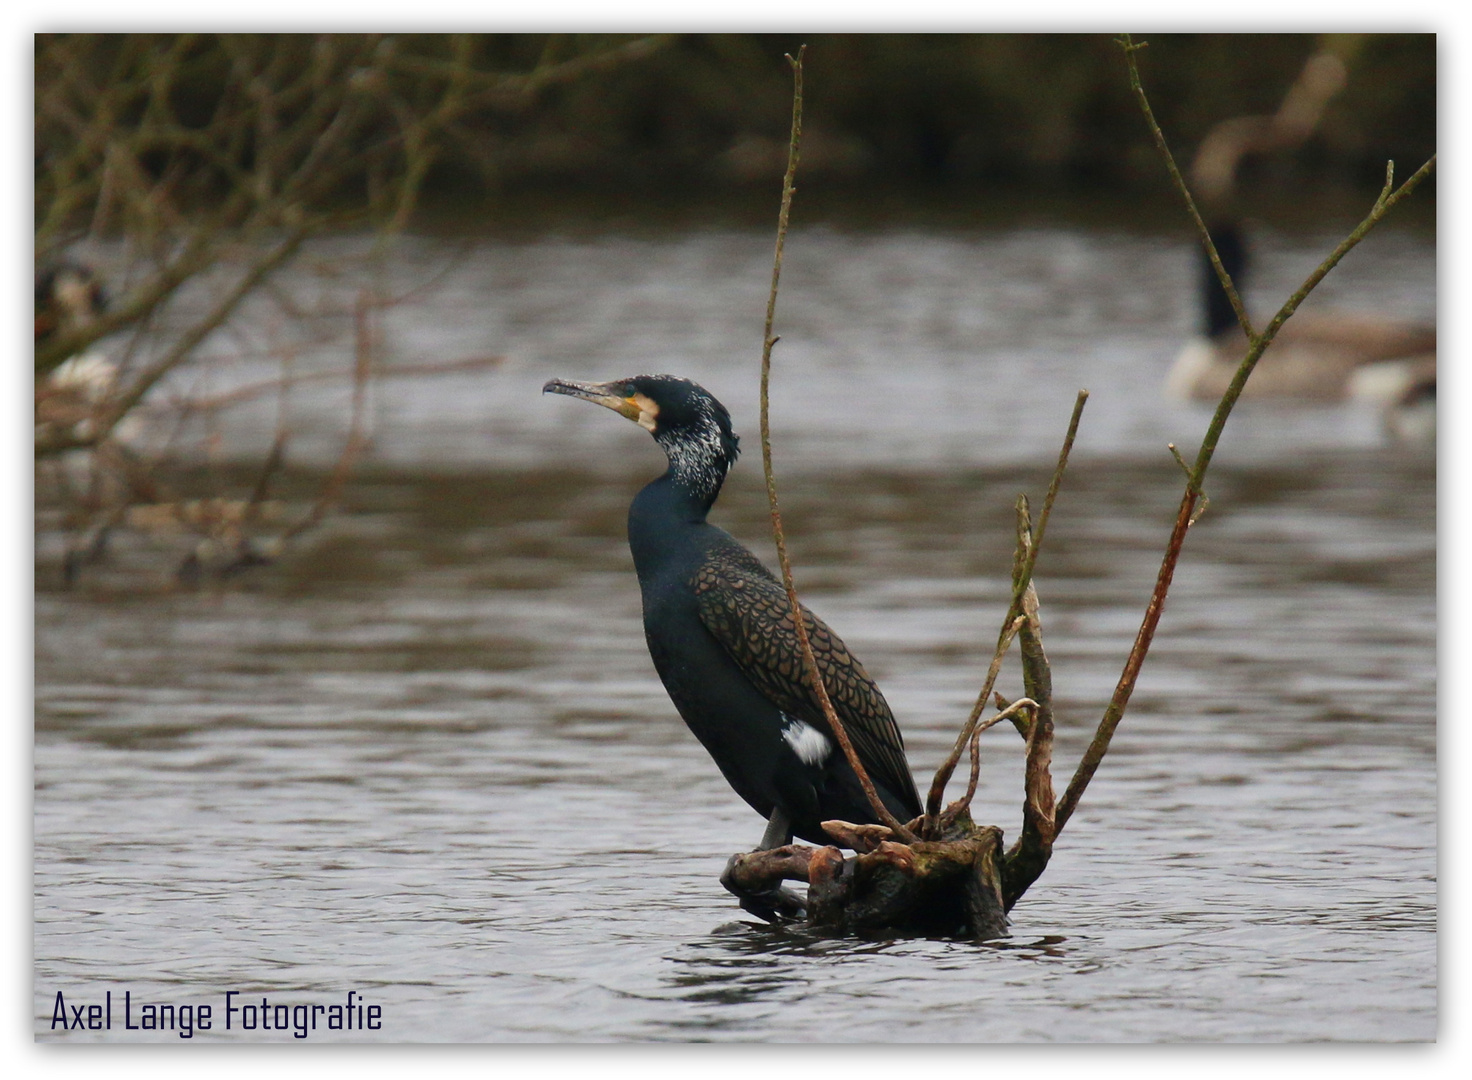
[{"x": 774, "y": 904}]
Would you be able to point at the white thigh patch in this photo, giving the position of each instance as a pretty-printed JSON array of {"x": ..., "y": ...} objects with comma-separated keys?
[{"x": 809, "y": 744}]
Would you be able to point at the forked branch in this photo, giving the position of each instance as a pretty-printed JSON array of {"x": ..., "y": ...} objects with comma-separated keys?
[{"x": 1022, "y": 578}]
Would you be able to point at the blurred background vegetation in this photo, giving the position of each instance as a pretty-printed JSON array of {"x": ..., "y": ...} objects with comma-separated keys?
[
  {"x": 175, "y": 175},
  {"x": 942, "y": 109},
  {"x": 674, "y": 116}
]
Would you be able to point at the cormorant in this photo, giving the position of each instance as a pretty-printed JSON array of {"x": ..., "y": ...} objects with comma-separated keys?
[
  {"x": 1317, "y": 356},
  {"x": 720, "y": 632}
]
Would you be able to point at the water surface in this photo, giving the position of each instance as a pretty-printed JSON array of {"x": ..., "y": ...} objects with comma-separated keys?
[{"x": 426, "y": 757}]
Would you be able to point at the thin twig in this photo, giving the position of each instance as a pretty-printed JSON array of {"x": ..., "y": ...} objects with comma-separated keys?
[
  {"x": 1019, "y": 587},
  {"x": 1022, "y": 578},
  {"x": 810, "y": 663},
  {"x": 250, "y": 391},
  {"x": 180, "y": 350},
  {"x": 1011, "y": 711},
  {"x": 1004, "y": 643},
  {"x": 490, "y": 87},
  {"x": 1022, "y": 560},
  {"x": 1386, "y": 201},
  {"x": 366, "y": 351},
  {"x": 1175, "y": 174}
]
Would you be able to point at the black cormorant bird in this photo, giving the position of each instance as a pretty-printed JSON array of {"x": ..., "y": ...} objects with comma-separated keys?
[{"x": 720, "y": 633}]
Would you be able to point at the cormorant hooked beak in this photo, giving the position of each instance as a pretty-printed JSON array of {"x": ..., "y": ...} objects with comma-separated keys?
[{"x": 617, "y": 396}]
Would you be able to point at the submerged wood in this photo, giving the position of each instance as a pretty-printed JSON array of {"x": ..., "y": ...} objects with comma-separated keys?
[{"x": 952, "y": 886}]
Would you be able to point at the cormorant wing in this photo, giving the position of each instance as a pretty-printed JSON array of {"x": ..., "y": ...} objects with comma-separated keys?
[{"x": 745, "y": 608}]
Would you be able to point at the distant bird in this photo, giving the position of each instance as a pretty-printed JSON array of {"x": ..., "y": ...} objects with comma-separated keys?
[
  {"x": 69, "y": 296},
  {"x": 1411, "y": 417},
  {"x": 1323, "y": 357},
  {"x": 721, "y": 635}
]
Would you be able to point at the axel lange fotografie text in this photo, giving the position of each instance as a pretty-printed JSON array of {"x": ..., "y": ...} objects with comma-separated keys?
[{"x": 237, "y": 1012}]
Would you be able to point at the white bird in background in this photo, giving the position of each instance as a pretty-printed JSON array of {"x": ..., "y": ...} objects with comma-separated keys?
[{"x": 69, "y": 297}]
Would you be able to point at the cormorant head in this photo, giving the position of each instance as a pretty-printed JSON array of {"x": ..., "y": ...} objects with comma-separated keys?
[{"x": 692, "y": 426}]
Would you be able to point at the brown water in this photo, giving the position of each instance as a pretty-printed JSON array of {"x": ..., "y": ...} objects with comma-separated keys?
[{"x": 426, "y": 757}]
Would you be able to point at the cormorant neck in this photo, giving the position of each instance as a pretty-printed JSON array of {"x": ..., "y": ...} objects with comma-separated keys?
[
  {"x": 660, "y": 520},
  {"x": 663, "y": 504},
  {"x": 668, "y": 506},
  {"x": 699, "y": 462}
]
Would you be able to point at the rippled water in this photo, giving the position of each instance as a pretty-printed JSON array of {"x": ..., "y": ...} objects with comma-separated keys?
[{"x": 426, "y": 757}]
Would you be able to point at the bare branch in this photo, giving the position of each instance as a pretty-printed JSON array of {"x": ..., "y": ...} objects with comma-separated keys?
[
  {"x": 1022, "y": 577},
  {"x": 1175, "y": 174},
  {"x": 810, "y": 664},
  {"x": 181, "y": 349},
  {"x": 1029, "y": 855},
  {"x": 486, "y": 88},
  {"x": 254, "y": 390}
]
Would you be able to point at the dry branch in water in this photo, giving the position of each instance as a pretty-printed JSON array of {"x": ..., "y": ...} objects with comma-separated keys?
[
  {"x": 810, "y": 665},
  {"x": 942, "y": 873}
]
